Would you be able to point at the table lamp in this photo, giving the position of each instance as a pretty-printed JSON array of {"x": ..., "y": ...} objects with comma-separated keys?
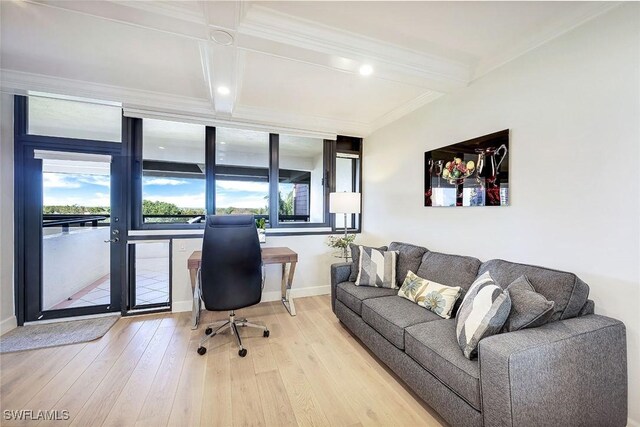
[{"x": 344, "y": 203}]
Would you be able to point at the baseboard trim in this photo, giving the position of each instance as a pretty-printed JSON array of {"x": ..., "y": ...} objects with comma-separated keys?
[
  {"x": 180, "y": 306},
  {"x": 8, "y": 324}
]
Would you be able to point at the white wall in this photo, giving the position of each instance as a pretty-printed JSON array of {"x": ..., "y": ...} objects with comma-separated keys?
[
  {"x": 7, "y": 317},
  {"x": 311, "y": 275},
  {"x": 573, "y": 108}
]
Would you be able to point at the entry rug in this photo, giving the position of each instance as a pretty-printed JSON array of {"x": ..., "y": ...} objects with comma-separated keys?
[{"x": 31, "y": 337}]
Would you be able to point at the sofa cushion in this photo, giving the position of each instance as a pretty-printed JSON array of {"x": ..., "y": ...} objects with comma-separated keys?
[
  {"x": 390, "y": 315},
  {"x": 377, "y": 268},
  {"x": 529, "y": 309},
  {"x": 409, "y": 258},
  {"x": 352, "y": 296},
  {"x": 450, "y": 270},
  {"x": 433, "y": 345},
  {"x": 565, "y": 289},
  {"x": 483, "y": 312},
  {"x": 355, "y": 260}
]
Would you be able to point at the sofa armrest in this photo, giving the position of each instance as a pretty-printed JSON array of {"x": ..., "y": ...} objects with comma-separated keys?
[
  {"x": 569, "y": 372},
  {"x": 340, "y": 272}
]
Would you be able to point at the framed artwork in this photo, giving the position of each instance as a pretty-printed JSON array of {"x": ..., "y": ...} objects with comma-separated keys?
[{"x": 469, "y": 173}]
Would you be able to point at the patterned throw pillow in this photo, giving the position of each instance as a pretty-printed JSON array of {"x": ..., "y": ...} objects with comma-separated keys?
[
  {"x": 377, "y": 268},
  {"x": 430, "y": 295},
  {"x": 483, "y": 312},
  {"x": 529, "y": 309},
  {"x": 355, "y": 260}
]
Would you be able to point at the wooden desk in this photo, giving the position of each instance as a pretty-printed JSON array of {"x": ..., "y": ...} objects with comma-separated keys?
[{"x": 277, "y": 255}]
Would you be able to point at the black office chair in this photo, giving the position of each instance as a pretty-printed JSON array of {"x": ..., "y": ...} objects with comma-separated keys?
[{"x": 231, "y": 275}]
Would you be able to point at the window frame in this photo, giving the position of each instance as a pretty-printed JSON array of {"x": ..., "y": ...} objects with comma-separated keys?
[{"x": 134, "y": 136}]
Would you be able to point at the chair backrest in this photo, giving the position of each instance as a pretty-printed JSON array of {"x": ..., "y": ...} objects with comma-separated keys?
[{"x": 231, "y": 271}]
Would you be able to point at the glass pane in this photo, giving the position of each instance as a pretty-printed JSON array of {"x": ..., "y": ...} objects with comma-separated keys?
[
  {"x": 152, "y": 273},
  {"x": 346, "y": 180},
  {"x": 300, "y": 179},
  {"x": 242, "y": 172},
  {"x": 76, "y": 208},
  {"x": 74, "y": 119},
  {"x": 173, "y": 172}
]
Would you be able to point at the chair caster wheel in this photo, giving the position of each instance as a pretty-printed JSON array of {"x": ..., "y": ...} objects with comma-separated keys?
[
  {"x": 266, "y": 334},
  {"x": 242, "y": 352},
  {"x": 208, "y": 331},
  {"x": 202, "y": 350}
]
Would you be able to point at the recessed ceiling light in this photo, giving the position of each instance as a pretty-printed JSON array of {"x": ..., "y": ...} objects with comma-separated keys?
[
  {"x": 162, "y": 148},
  {"x": 222, "y": 142},
  {"x": 223, "y": 90},
  {"x": 366, "y": 70}
]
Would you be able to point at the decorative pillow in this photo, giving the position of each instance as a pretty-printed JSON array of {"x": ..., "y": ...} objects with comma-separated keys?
[
  {"x": 529, "y": 309},
  {"x": 483, "y": 312},
  {"x": 431, "y": 295},
  {"x": 377, "y": 268},
  {"x": 355, "y": 260}
]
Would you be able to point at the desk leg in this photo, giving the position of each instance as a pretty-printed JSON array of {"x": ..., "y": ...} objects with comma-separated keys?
[
  {"x": 195, "y": 307},
  {"x": 287, "y": 281}
]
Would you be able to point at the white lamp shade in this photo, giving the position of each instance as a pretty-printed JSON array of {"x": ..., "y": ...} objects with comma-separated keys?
[{"x": 344, "y": 203}]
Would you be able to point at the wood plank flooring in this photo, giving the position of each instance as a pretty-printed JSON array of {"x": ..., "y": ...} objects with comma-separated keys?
[{"x": 145, "y": 372}]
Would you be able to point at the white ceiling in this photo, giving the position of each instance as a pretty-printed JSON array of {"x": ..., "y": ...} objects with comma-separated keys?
[{"x": 292, "y": 66}]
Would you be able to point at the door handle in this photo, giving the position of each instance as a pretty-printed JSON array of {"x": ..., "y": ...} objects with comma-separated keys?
[{"x": 114, "y": 240}]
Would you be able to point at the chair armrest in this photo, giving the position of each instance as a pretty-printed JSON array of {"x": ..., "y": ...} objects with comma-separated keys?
[
  {"x": 569, "y": 372},
  {"x": 340, "y": 272}
]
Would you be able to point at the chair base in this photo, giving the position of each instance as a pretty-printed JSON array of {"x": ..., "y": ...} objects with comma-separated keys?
[{"x": 232, "y": 324}]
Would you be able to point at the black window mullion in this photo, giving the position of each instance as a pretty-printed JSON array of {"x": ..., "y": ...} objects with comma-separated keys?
[
  {"x": 274, "y": 176},
  {"x": 210, "y": 170}
]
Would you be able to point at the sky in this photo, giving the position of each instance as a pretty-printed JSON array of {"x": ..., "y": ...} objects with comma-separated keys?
[{"x": 93, "y": 190}]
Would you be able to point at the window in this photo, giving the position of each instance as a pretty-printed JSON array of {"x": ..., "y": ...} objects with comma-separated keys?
[
  {"x": 74, "y": 119},
  {"x": 347, "y": 179},
  {"x": 301, "y": 180},
  {"x": 173, "y": 172},
  {"x": 242, "y": 172}
]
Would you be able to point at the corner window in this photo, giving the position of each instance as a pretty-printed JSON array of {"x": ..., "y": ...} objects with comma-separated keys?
[{"x": 173, "y": 172}]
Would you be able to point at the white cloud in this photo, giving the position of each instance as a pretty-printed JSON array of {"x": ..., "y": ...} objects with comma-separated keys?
[
  {"x": 101, "y": 180},
  {"x": 196, "y": 201},
  {"x": 163, "y": 181},
  {"x": 262, "y": 187},
  {"x": 253, "y": 201},
  {"x": 98, "y": 200},
  {"x": 57, "y": 180}
]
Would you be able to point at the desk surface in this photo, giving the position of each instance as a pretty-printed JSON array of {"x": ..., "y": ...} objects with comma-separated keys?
[{"x": 275, "y": 255}]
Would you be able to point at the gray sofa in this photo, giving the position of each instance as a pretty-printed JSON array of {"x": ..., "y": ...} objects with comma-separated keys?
[{"x": 571, "y": 371}]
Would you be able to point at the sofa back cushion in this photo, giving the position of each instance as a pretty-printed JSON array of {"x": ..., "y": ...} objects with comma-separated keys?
[
  {"x": 409, "y": 258},
  {"x": 449, "y": 270},
  {"x": 565, "y": 289}
]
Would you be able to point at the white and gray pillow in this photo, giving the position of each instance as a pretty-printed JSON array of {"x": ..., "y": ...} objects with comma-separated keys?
[
  {"x": 377, "y": 268},
  {"x": 355, "y": 260},
  {"x": 529, "y": 309},
  {"x": 429, "y": 294},
  {"x": 483, "y": 312}
]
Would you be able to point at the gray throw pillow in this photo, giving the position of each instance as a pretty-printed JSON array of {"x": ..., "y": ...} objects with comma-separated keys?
[
  {"x": 483, "y": 312},
  {"x": 355, "y": 259},
  {"x": 529, "y": 309}
]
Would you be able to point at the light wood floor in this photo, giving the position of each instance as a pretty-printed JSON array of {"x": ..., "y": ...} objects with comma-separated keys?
[{"x": 145, "y": 372}]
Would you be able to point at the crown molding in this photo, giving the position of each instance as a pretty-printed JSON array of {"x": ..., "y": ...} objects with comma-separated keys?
[
  {"x": 403, "y": 110},
  {"x": 553, "y": 30},
  {"x": 170, "y": 10},
  {"x": 324, "y": 124},
  {"x": 263, "y": 23},
  {"x": 22, "y": 83}
]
